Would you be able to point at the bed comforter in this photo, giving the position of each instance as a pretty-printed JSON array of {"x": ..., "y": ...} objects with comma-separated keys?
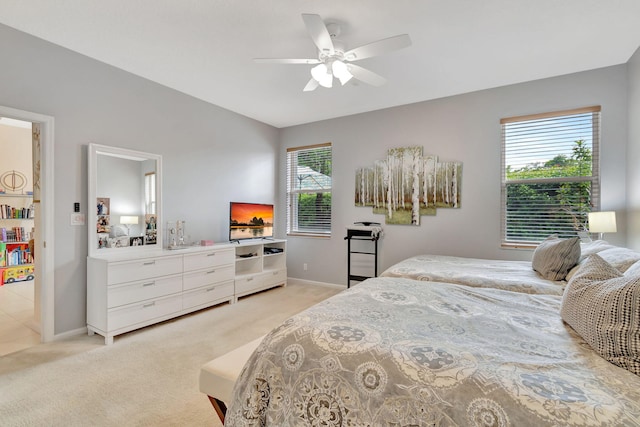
[
  {"x": 517, "y": 276},
  {"x": 393, "y": 352}
]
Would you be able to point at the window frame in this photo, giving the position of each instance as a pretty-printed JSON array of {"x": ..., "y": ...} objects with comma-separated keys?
[
  {"x": 594, "y": 178},
  {"x": 292, "y": 223}
]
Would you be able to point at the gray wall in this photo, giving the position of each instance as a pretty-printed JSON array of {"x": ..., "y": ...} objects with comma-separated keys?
[
  {"x": 461, "y": 128},
  {"x": 633, "y": 158},
  {"x": 210, "y": 155}
]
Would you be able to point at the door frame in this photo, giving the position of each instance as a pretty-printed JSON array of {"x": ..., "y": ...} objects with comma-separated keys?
[{"x": 44, "y": 221}]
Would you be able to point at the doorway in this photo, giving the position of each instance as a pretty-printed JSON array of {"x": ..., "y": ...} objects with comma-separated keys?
[
  {"x": 42, "y": 133},
  {"x": 19, "y": 328}
]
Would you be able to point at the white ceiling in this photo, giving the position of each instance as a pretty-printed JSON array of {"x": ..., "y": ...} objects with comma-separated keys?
[{"x": 205, "y": 47}]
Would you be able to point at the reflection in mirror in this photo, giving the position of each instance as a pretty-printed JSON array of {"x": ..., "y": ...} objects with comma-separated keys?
[{"x": 124, "y": 187}]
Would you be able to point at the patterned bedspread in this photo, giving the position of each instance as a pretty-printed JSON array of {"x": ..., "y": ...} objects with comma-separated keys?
[
  {"x": 393, "y": 352},
  {"x": 517, "y": 276}
]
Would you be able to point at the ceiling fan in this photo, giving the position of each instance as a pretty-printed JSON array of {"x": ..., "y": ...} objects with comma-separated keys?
[{"x": 334, "y": 61}]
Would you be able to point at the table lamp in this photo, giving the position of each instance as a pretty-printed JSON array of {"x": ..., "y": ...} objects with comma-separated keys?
[
  {"x": 128, "y": 221},
  {"x": 602, "y": 222}
]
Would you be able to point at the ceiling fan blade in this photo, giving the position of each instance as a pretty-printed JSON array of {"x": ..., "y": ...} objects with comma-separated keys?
[
  {"x": 311, "y": 85},
  {"x": 366, "y": 76},
  {"x": 285, "y": 61},
  {"x": 318, "y": 32},
  {"x": 378, "y": 48}
]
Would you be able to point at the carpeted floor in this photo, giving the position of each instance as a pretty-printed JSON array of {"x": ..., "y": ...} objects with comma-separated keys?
[{"x": 147, "y": 377}]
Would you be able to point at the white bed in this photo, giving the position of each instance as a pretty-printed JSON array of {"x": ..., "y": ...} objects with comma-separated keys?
[
  {"x": 496, "y": 345},
  {"x": 392, "y": 351},
  {"x": 517, "y": 276}
]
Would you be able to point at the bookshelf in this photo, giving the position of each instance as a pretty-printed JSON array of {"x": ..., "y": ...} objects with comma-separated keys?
[{"x": 16, "y": 229}]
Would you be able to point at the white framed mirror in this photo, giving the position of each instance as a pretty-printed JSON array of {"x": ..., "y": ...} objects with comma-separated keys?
[{"x": 125, "y": 200}]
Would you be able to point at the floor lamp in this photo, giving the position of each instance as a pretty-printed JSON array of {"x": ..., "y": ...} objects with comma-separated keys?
[{"x": 602, "y": 222}]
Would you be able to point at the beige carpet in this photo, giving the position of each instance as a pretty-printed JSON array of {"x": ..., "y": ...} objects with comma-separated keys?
[{"x": 146, "y": 378}]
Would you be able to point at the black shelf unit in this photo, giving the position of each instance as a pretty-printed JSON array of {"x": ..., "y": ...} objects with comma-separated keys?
[{"x": 358, "y": 234}]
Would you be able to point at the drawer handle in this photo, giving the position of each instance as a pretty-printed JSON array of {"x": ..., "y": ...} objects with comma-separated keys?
[
  {"x": 210, "y": 289},
  {"x": 148, "y": 284},
  {"x": 213, "y": 254},
  {"x": 211, "y": 272},
  {"x": 151, "y": 304},
  {"x": 149, "y": 263},
  {"x": 249, "y": 279},
  {"x": 275, "y": 273}
]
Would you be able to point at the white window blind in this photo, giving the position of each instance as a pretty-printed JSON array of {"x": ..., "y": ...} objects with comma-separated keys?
[
  {"x": 309, "y": 190},
  {"x": 150, "y": 193},
  {"x": 550, "y": 174}
]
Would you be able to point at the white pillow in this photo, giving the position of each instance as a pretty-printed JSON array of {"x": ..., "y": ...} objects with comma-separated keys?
[
  {"x": 593, "y": 247},
  {"x": 620, "y": 258},
  {"x": 603, "y": 306},
  {"x": 633, "y": 270}
]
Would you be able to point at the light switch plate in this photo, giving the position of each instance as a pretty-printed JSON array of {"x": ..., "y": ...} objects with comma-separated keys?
[{"x": 77, "y": 219}]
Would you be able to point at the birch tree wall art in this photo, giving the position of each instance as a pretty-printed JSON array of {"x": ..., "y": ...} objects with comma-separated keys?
[{"x": 407, "y": 185}]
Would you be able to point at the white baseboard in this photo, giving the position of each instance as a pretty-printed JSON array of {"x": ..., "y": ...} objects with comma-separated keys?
[
  {"x": 69, "y": 334},
  {"x": 293, "y": 280}
]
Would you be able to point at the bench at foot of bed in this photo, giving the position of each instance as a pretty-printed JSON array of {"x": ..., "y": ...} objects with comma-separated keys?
[{"x": 218, "y": 376}]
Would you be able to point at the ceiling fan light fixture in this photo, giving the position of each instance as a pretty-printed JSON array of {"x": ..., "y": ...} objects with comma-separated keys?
[
  {"x": 333, "y": 58},
  {"x": 322, "y": 75},
  {"x": 341, "y": 71}
]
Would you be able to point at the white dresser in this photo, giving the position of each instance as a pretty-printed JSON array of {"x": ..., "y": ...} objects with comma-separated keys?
[
  {"x": 124, "y": 294},
  {"x": 131, "y": 290}
]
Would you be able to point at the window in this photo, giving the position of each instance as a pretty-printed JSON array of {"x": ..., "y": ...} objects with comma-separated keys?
[
  {"x": 150, "y": 193},
  {"x": 550, "y": 176},
  {"x": 309, "y": 190}
]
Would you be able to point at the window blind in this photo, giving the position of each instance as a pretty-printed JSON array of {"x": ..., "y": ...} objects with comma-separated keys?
[
  {"x": 150, "y": 193},
  {"x": 550, "y": 174},
  {"x": 309, "y": 190}
]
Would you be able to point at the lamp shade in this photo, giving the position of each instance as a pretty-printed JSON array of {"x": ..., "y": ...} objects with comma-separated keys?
[
  {"x": 322, "y": 75},
  {"x": 602, "y": 222},
  {"x": 128, "y": 220},
  {"x": 341, "y": 71}
]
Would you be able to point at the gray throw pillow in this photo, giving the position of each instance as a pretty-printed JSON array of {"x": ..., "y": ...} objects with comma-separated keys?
[
  {"x": 603, "y": 306},
  {"x": 554, "y": 257}
]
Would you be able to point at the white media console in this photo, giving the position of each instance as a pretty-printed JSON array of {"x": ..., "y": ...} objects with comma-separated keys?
[{"x": 127, "y": 291}]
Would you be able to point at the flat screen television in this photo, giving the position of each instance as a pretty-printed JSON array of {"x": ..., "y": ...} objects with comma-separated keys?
[{"x": 250, "y": 221}]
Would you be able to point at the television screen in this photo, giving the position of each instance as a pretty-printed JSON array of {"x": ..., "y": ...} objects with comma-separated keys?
[{"x": 250, "y": 221}]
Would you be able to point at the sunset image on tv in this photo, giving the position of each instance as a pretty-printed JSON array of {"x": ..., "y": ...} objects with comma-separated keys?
[{"x": 250, "y": 221}]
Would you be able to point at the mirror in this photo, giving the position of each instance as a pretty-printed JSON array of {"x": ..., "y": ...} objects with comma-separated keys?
[{"x": 124, "y": 200}]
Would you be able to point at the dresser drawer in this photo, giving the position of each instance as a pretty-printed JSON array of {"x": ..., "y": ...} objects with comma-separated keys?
[
  {"x": 129, "y": 315},
  {"x": 131, "y": 271},
  {"x": 197, "y": 279},
  {"x": 207, "y": 295},
  {"x": 208, "y": 259},
  {"x": 129, "y": 293},
  {"x": 249, "y": 283},
  {"x": 275, "y": 277}
]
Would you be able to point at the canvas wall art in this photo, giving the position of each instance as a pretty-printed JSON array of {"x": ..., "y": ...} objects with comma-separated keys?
[{"x": 407, "y": 185}]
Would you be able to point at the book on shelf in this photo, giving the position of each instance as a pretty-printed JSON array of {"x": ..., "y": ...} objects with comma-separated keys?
[
  {"x": 15, "y": 234},
  {"x": 19, "y": 256},
  {"x": 10, "y": 212}
]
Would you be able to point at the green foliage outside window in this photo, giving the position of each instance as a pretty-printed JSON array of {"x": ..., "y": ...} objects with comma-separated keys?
[
  {"x": 552, "y": 199},
  {"x": 309, "y": 177},
  {"x": 314, "y": 211}
]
